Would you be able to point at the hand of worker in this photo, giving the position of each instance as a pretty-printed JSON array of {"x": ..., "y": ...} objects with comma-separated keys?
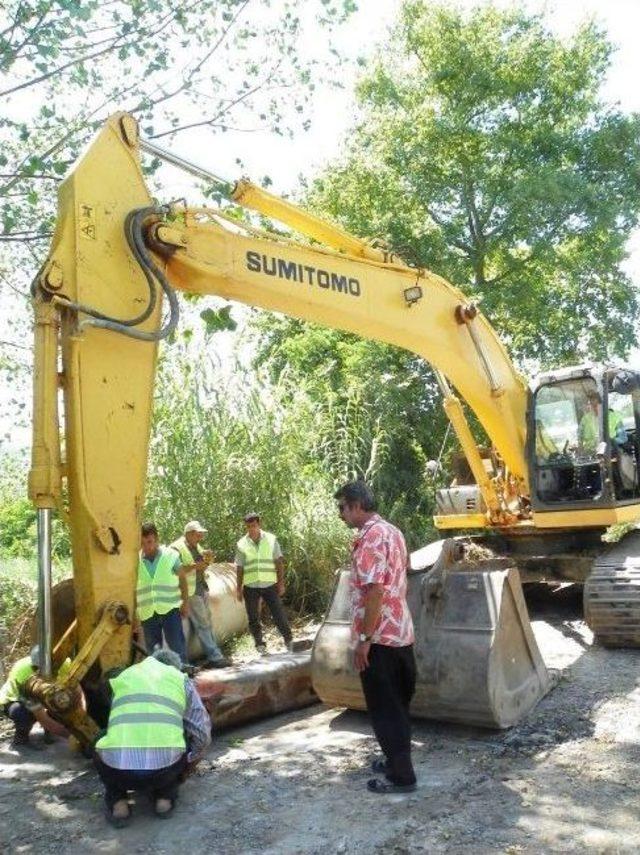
[
  {"x": 361, "y": 655},
  {"x": 280, "y": 589},
  {"x": 184, "y": 609}
]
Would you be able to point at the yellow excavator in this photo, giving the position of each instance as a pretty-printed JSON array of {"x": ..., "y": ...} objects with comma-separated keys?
[{"x": 561, "y": 468}]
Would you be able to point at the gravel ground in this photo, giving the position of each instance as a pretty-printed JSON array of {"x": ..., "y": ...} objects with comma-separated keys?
[{"x": 567, "y": 779}]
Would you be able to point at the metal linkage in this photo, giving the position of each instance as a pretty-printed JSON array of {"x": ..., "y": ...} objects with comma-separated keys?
[{"x": 224, "y": 186}]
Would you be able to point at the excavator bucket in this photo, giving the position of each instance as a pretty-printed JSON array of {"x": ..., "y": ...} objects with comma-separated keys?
[{"x": 477, "y": 658}]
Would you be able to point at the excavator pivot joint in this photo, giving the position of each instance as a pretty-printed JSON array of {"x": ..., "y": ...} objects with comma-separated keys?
[{"x": 129, "y": 130}]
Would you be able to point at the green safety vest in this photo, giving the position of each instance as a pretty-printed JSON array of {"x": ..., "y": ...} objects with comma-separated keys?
[
  {"x": 182, "y": 548},
  {"x": 160, "y": 593},
  {"x": 12, "y": 690},
  {"x": 259, "y": 565},
  {"x": 148, "y": 707},
  {"x": 18, "y": 676},
  {"x": 589, "y": 431}
]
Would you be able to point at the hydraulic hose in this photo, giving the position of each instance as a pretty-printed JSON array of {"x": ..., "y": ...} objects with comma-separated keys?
[{"x": 135, "y": 238}]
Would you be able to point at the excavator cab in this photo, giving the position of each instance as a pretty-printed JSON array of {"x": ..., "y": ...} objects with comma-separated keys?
[{"x": 583, "y": 439}]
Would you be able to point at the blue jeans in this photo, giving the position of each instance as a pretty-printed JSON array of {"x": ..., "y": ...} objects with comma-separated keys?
[
  {"x": 171, "y": 625},
  {"x": 200, "y": 620},
  {"x": 23, "y": 720}
]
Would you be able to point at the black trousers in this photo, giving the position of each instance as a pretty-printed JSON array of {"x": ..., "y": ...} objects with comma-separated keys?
[
  {"x": 158, "y": 783},
  {"x": 22, "y": 719},
  {"x": 252, "y": 598},
  {"x": 388, "y": 685}
]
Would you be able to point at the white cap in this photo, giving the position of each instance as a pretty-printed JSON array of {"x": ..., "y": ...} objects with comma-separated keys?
[{"x": 194, "y": 525}]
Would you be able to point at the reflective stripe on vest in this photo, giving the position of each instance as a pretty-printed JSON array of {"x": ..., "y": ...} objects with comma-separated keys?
[
  {"x": 160, "y": 593},
  {"x": 147, "y": 711},
  {"x": 259, "y": 565},
  {"x": 182, "y": 548}
]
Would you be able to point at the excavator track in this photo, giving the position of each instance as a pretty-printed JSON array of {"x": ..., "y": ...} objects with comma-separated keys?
[{"x": 612, "y": 594}]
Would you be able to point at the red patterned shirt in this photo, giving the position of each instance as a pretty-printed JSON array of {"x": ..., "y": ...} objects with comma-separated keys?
[{"x": 379, "y": 557}]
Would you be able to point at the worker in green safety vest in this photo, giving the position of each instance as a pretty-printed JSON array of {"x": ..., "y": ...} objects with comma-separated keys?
[
  {"x": 589, "y": 427},
  {"x": 158, "y": 729},
  {"x": 260, "y": 576},
  {"x": 161, "y": 594},
  {"x": 24, "y": 712},
  {"x": 195, "y": 560}
]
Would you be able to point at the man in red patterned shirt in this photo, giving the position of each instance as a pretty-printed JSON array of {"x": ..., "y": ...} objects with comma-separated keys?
[{"x": 382, "y": 632}]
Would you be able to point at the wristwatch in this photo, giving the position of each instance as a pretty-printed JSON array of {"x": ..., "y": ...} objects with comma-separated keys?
[{"x": 363, "y": 637}]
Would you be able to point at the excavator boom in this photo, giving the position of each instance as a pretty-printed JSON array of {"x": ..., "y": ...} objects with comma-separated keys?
[{"x": 99, "y": 301}]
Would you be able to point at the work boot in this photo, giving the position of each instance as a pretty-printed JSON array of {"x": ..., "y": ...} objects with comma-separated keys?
[
  {"x": 164, "y": 807},
  {"x": 20, "y": 740},
  {"x": 118, "y": 815}
]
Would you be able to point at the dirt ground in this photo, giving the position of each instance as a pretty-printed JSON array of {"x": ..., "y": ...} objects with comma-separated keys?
[{"x": 567, "y": 779}]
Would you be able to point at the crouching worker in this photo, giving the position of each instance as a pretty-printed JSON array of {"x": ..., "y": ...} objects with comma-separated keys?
[
  {"x": 158, "y": 729},
  {"x": 25, "y": 712}
]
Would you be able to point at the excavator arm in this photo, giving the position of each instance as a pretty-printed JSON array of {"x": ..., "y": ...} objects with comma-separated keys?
[{"x": 98, "y": 312}]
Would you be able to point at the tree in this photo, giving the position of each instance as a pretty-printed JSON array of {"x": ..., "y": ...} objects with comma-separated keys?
[
  {"x": 486, "y": 153},
  {"x": 65, "y": 65},
  {"x": 380, "y": 413}
]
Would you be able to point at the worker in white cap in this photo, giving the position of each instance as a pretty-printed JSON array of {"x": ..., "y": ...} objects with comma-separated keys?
[{"x": 195, "y": 561}]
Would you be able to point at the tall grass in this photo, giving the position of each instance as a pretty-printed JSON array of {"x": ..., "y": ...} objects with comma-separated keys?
[{"x": 221, "y": 449}]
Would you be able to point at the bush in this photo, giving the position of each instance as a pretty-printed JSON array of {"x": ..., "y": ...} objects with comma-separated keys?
[
  {"x": 17, "y": 528},
  {"x": 18, "y": 604}
]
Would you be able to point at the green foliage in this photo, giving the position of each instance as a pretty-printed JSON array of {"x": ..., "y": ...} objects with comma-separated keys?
[
  {"x": 18, "y": 602},
  {"x": 75, "y": 63},
  {"x": 373, "y": 399},
  {"x": 616, "y": 532},
  {"x": 18, "y": 516},
  {"x": 487, "y": 154},
  {"x": 217, "y": 320},
  {"x": 17, "y": 528},
  {"x": 66, "y": 65},
  {"x": 221, "y": 448},
  {"x": 484, "y": 152}
]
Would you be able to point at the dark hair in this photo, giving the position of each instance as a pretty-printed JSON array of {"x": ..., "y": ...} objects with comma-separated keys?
[
  {"x": 149, "y": 528},
  {"x": 251, "y": 516},
  {"x": 357, "y": 492}
]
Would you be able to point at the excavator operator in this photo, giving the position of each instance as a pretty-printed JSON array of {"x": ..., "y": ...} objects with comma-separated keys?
[{"x": 588, "y": 431}]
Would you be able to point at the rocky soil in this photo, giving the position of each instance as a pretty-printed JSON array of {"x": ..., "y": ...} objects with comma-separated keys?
[{"x": 567, "y": 779}]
